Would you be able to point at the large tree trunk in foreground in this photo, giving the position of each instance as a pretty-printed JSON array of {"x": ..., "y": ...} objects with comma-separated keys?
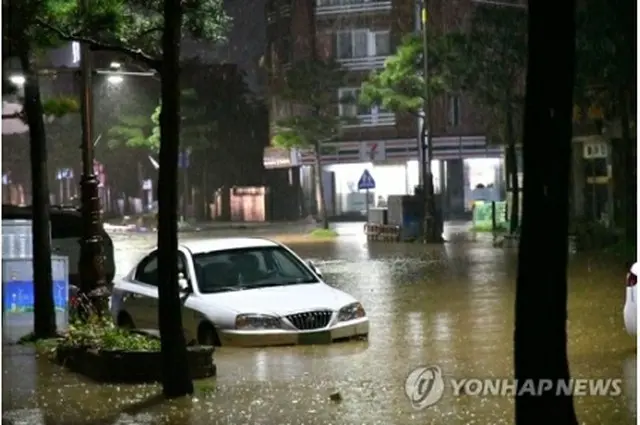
[
  {"x": 322, "y": 208},
  {"x": 176, "y": 381},
  {"x": 540, "y": 342},
  {"x": 44, "y": 320}
]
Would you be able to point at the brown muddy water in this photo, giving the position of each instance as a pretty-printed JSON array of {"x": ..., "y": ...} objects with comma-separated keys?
[{"x": 450, "y": 306}]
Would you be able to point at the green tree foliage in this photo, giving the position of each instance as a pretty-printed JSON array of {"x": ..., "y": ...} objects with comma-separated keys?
[
  {"x": 605, "y": 57},
  {"x": 132, "y": 27},
  {"x": 605, "y": 93},
  {"x": 400, "y": 85},
  {"x": 23, "y": 38},
  {"x": 487, "y": 61},
  {"x": 132, "y": 131},
  {"x": 492, "y": 59},
  {"x": 310, "y": 90},
  {"x": 491, "y": 66}
]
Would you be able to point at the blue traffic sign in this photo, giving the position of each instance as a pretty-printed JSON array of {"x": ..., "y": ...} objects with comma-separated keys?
[
  {"x": 64, "y": 174},
  {"x": 366, "y": 181}
]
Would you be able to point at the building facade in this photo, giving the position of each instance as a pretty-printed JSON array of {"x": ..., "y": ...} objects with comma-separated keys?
[{"x": 361, "y": 34}]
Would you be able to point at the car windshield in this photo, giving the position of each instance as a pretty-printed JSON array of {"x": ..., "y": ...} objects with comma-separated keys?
[{"x": 248, "y": 268}]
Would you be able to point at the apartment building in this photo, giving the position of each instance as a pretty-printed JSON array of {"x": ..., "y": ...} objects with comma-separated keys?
[{"x": 361, "y": 34}]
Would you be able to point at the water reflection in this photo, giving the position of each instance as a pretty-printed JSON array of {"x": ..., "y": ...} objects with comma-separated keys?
[{"x": 450, "y": 305}]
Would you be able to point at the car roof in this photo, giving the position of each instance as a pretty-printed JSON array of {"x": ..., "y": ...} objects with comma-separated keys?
[{"x": 201, "y": 246}]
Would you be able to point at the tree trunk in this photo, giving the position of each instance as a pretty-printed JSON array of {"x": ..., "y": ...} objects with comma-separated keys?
[
  {"x": 512, "y": 160},
  {"x": 630, "y": 182},
  {"x": 540, "y": 338},
  {"x": 432, "y": 221},
  {"x": 44, "y": 320},
  {"x": 176, "y": 380},
  {"x": 322, "y": 208}
]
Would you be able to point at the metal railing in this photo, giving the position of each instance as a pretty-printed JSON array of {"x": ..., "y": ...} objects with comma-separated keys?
[
  {"x": 334, "y": 7},
  {"x": 382, "y": 119},
  {"x": 364, "y": 63}
]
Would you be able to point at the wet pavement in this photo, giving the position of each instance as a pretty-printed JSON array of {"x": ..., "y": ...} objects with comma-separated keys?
[{"x": 450, "y": 306}]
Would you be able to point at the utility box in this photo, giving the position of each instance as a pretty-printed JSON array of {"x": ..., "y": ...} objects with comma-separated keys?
[
  {"x": 408, "y": 213},
  {"x": 378, "y": 216},
  {"x": 17, "y": 296},
  {"x": 17, "y": 239}
]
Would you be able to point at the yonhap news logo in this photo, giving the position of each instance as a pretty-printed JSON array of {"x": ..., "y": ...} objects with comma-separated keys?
[{"x": 426, "y": 385}]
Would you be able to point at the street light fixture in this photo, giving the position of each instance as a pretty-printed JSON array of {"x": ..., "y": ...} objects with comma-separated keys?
[{"x": 18, "y": 80}]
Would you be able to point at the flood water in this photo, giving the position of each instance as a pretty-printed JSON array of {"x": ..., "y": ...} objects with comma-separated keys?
[{"x": 450, "y": 306}]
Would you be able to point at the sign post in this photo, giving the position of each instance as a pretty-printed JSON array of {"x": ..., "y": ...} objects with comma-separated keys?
[{"x": 366, "y": 183}]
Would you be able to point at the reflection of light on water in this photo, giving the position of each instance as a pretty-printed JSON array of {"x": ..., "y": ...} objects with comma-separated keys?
[
  {"x": 442, "y": 331},
  {"x": 414, "y": 334},
  {"x": 261, "y": 366}
]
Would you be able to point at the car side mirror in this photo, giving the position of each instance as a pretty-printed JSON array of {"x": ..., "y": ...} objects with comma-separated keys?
[
  {"x": 314, "y": 268},
  {"x": 183, "y": 283}
]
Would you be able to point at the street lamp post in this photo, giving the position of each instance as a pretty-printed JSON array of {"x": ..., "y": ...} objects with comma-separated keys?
[{"x": 93, "y": 282}]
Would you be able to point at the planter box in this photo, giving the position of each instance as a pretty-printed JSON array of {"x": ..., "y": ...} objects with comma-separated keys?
[{"x": 131, "y": 366}]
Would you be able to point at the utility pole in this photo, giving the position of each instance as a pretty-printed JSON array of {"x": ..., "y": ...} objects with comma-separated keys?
[
  {"x": 91, "y": 267},
  {"x": 431, "y": 234}
]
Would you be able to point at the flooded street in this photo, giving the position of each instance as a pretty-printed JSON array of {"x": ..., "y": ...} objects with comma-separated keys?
[{"x": 450, "y": 306}]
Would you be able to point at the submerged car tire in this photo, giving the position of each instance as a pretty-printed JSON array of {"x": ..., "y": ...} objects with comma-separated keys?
[
  {"x": 207, "y": 335},
  {"x": 125, "y": 321}
]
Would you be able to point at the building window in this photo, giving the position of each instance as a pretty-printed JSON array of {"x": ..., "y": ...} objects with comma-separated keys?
[
  {"x": 382, "y": 43},
  {"x": 349, "y": 105},
  {"x": 454, "y": 110},
  {"x": 360, "y": 43}
]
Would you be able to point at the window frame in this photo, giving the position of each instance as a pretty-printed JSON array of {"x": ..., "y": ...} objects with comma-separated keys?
[
  {"x": 371, "y": 45},
  {"x": 454, "y": 115},
  {"x": 154, "y": 256},
  {"x": 373, "y": 49}
]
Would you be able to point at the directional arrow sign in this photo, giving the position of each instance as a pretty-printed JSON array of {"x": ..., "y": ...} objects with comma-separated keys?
[{"x": 366, "y": 181}]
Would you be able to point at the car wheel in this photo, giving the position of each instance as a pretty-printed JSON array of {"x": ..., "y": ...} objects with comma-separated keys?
[
  {"x": 207, "y": 335},
  {"x": 125, "y": 321}
]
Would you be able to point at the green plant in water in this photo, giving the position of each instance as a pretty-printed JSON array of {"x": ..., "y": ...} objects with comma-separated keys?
[
  {"x": 100, "y": 333},
  {"x": 324, "y": 233}
]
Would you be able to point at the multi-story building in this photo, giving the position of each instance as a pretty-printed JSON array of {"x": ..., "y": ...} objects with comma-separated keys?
[{"x": 361, "y": 34}]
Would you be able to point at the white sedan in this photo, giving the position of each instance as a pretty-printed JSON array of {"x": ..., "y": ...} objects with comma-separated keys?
[
  {"x": 242, "y": 291},
  {"x": 630, "y": 311}
]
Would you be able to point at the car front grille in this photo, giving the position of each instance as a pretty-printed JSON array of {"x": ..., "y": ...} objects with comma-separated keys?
[{"x": 310, "y": 319}]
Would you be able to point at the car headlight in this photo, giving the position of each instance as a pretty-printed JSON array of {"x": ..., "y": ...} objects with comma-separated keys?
[
  {"x": 351, "y": 312},
  {"x": 257, "y": 321}
]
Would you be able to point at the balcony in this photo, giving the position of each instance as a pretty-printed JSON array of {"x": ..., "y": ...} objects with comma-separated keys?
[
  {"x": 363, "y": 64},
  {"x": 336, "y": 7},
  {"x": 381, "y": 119}
]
